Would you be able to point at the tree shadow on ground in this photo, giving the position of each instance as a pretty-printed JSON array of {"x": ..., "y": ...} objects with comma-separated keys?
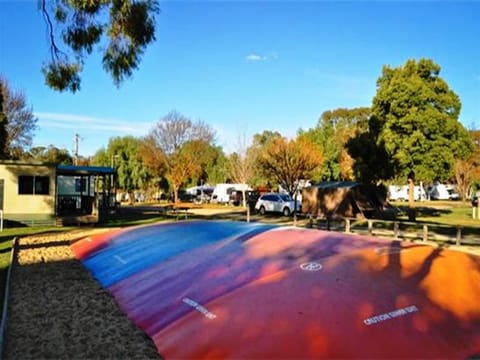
[{"x": 425, "y": 211}]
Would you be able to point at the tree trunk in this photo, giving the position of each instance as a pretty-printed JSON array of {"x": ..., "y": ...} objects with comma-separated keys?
[
  {"x": 411, "y": 200},
  {"x": 175, "y": 194},
  {"x": 295, "y": 210}
]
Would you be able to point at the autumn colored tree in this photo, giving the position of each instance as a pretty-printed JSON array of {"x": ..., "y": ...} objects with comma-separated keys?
[
  {"x": 152, "y": 156},
  {"x": 120, "y": 29},
  {"x": 466, "y": 173},
  {"x": 259, "y": 143},
  {"x": 183, "y": 146},
  {"x": 288, "y": 161},
  {"x": 184, "y": 163}
]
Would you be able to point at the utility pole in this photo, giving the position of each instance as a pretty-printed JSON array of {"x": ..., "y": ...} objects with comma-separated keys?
[{"x": 76, "y": 141}]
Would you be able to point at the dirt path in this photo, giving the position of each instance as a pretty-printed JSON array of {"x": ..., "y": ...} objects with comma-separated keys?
[{"x": 58, "y": 311}]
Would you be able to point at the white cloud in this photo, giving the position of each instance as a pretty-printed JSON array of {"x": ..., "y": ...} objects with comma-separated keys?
[
  {"x": 254, "y": 57},
  {"x": 74, "y": 121}
]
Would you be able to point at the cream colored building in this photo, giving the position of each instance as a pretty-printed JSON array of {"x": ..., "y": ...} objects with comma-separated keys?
[
  {"x": 40, "y": 194},
  {"x": 28, "y": 191}
]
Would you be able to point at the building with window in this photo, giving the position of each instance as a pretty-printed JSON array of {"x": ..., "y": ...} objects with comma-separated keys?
[{"x": 44, "y": 194}]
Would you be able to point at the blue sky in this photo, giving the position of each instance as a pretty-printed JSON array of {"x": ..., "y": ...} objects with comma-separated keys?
[{"x": 246, "y": 66}]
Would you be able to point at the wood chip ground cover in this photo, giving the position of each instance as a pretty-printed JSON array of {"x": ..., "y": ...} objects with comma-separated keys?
[{"x": 58, "y": 311}]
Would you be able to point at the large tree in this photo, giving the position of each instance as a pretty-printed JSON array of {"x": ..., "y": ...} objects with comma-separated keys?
[
  {"x": 183, "y": 146},
  {"x": 18, "y": 121},
  {"x": 50, "y": 154},
  {"x": 122, "y": 154},
  {"x": 289, "y": 161},
  {"x": 331, "y": 134},
  {"x": 259, "y": 143},
  {"x": 3, "y": 127},
  {"x": 242, "y": 165},
  {"x": 416, "y": 115},
  {"x": 216, "y": 170},
  {"x": 467, "y": 171},
  {"x": 120, "y": 29}
]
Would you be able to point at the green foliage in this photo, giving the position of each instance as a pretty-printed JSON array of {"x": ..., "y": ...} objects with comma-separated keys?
[
  {"x": 122, "y": 154},
  {"x": 121, "y": 29},
  {"x": 213, "y": 167},
  {"x": 334, "y": 129},
  {"x": 416, "y": 121},
  {"x": 50, "y": 154},
  {"x": 371, "y": 161},
  {"x": 62, "y": 76},
  {"x": 323, "y": 136}
]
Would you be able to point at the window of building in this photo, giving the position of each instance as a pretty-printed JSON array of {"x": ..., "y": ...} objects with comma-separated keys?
[
  {"x": 80, "y": 185},
  {"x": 33, "y": 185}
]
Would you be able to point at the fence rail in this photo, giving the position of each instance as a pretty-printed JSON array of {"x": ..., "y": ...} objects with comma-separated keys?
[{"x": 405, "y": 230}]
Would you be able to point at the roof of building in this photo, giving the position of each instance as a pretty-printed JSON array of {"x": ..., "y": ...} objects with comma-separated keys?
[
  {"x": 336, "y": 184},
  {"x": 84, "y": 170}
]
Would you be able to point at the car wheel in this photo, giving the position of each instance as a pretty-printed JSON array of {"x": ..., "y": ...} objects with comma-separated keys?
[
  {"x": 262, "y": 210},
  {"x": 286, "y": 211}
]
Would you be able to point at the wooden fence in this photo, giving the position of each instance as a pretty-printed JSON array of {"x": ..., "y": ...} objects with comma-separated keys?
[{"x": 404, "y": 230}]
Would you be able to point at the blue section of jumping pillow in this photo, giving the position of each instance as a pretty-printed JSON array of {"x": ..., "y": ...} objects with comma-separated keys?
[{"x": 139, "y": 248}]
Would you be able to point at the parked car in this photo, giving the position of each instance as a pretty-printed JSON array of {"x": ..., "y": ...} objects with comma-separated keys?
[{"x": 276, "y": 202}]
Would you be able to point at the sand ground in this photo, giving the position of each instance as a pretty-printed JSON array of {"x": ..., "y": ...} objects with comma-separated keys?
[{"x": 58, "y": 311}]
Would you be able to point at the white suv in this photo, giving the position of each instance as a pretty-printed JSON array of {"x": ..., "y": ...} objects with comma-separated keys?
[{"x": 275, "y": 202}]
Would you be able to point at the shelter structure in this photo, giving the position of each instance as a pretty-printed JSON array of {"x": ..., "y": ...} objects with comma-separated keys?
[
  {"x": 36, "y": 193},
  {"x": 345, "y": 199},
  {"x": 84, "y": 193}
]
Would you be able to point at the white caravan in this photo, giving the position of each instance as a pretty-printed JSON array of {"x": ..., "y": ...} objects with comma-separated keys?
[
  {"x": 400, "y": 193},
  {"x": 221, "y": 192},
  {"x": 442, "y": 192}
]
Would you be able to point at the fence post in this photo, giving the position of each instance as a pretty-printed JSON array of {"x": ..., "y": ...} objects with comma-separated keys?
[
  {"x": 347, "y": 225},
  {"x": 459, "y": 235},
  {"x": 425, "y": 232},
  {"x": 370, "y": 230},
  {"x": 395, "y": 230}
]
